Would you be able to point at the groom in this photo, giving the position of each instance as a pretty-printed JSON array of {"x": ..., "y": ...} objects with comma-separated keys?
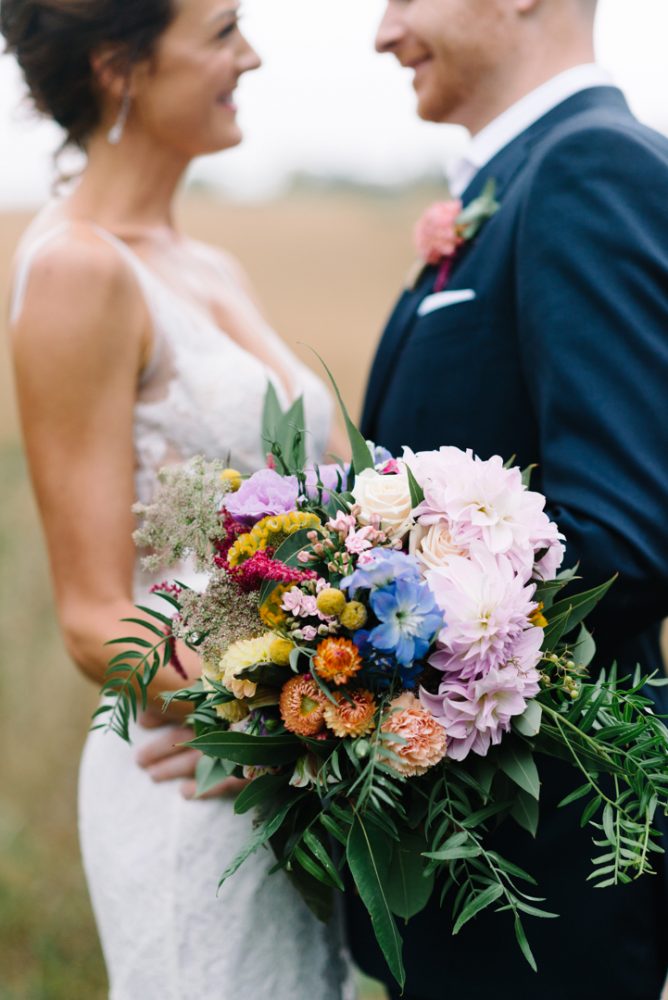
[{"x": 546, "y": 337}]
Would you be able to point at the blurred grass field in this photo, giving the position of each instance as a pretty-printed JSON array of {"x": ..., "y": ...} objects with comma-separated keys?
[{"x": 327, "y": 268}]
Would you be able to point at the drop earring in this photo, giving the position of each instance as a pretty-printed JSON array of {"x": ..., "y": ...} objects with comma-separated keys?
[{"x": 115, "y": 133}]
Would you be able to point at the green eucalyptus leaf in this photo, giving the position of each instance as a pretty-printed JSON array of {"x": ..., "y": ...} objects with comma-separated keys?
[
  {"x": 525, "y": 812},
  {"x": 210, "y": 772},
  {"x": 408, "y": 887},
  {"x": 368, "y": 854},
  {"x": 528, "y": 724},
  {"x": 259, "y": 838},
  {"x": 242, "y": 748},
  {"x": 524, "y": 944},
  {"x": 516, "y": 761},
  {"x": 321, "y": 854},
  {"x": 572, "y": 610},
  {"x": 477, "y": 903},
  {"x": 260, "y": 790},
  {"x": 584, "y": 650}
]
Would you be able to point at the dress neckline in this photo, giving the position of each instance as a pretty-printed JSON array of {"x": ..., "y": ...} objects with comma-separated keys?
[{"x": 286, "y": 396}]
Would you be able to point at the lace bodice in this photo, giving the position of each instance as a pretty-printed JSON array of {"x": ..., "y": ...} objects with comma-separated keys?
[{"x": 200, "y": 393}]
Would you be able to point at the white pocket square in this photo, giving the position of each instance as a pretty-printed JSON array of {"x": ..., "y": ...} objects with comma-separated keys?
[{"x": 447, "y": 298}]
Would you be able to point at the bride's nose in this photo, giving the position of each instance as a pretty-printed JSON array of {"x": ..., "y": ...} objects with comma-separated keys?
[{"x": 248, "y": 59}]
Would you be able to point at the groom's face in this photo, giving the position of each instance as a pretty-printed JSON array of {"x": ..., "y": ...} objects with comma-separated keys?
[{"x": 457, "y": 50}]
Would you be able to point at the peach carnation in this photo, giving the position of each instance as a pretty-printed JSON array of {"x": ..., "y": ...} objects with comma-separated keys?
[
  {"x": 425, "y": 740},
  {"x": 352, "y": 715},
  {"x": 301, "y": 705},
  {"x": 436, "y": 233},
  {"x": 337, "y": 660}
]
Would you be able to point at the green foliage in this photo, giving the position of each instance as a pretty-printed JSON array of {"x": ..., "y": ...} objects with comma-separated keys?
[
  {"x": 362, "y": 458},
  {"x": 284, "y": 433},
  {"x": 131, "y": 672},
  {"x": 210, "y": 772},
  {"x": 478, "y": 211},
  {"x": 566, "y": 614},
  {"x": 409, "y": 883},
  {"x": 368, "y": 854},
  {"x": 242, "y": 748},
  {"x": 417, "y": 493},
  {"x": 620, "y": 749}
]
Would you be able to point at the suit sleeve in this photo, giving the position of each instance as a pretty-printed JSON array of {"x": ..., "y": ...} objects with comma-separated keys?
[{"x": 592, "y": 300}]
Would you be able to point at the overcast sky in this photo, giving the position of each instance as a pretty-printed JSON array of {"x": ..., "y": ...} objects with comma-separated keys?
[{"x": 325, "y": 103}]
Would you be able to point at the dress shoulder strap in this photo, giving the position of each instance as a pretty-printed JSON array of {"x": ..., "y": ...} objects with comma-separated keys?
[
  {"x": 29, "y": 250},
  {"x": 23, "y": 262}
]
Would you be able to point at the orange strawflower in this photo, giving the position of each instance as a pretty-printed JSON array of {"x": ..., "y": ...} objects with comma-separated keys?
[
  {"x": 302, "y": 706},
  {"x": 353, "y": 714},
  {"x": 337, "y": 660}
]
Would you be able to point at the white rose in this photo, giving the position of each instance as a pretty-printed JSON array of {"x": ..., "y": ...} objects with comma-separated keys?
[
  {"x": 388, "y": 497},
  {"x": 433, "y": 544}
]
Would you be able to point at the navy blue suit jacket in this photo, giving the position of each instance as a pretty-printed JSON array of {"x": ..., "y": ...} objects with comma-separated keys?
[{"x": 561, "y": 359}]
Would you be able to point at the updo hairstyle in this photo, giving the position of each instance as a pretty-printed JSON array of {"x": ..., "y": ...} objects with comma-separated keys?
[{"x": 54, "y": 40}]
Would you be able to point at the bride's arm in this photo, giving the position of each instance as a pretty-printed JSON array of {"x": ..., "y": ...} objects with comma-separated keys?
[{"x": 78, "y": 346}]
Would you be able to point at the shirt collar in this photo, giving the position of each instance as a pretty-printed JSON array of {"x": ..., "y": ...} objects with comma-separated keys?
[{"x": 520, "y": 116}]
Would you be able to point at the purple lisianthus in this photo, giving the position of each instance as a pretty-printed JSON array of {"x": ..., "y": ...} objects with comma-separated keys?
[
  {"x": 263, "y": 494},
  {"x": 409, "y": 619},
  {"x": 381, "y": 569},
  {"x": 380, "y": 455}
]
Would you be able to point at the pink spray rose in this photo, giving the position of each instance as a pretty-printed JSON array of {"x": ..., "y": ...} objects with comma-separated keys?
[{"x": 436, "y": 234}]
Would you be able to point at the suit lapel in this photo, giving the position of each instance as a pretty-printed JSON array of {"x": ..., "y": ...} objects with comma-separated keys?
[
  {"x": 504, "y": 167},
  {"x": 387, "y": 350}
]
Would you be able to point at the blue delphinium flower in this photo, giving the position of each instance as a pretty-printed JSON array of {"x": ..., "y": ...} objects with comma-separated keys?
[
  {"x": 384, "y": 569},
  {"x": 381, "y": 670},
  {"x": 409, "y": 619}
]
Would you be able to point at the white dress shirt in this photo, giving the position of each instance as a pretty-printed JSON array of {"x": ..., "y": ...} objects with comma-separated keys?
[{"x": 517, "y": 118}]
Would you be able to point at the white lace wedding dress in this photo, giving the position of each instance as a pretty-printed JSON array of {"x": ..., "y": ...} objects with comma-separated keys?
[{"x": 153, "y": 859}]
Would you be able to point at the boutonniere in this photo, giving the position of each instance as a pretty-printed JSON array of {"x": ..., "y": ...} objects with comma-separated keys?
[{"x": 445, "y": 228}]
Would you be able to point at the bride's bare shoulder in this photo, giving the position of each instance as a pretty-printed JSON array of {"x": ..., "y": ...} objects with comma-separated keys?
[{"x": 72, "y": 283}]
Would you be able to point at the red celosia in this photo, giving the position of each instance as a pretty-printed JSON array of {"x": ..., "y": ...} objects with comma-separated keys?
[
  {"x": 232, "y": 531},
  {"x": 261, "y": 566}
]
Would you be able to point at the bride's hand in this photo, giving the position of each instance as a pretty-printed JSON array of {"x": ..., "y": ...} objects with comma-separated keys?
[{"x": 166, "y": 759}]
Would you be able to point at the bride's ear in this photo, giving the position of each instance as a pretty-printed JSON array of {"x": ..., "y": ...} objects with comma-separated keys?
[{"x": 112, "y": 72}]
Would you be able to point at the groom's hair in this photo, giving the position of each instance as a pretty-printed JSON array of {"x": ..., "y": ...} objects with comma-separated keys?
[{"x": 54, "y": 40}]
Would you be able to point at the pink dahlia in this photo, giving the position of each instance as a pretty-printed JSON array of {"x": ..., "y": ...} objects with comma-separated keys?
[
  {"x": 482, "y": 501},
  {"x": 475, "y": 715},
  {"x": 486, "y": 607},
  {"x": 436, "y": 234},
  {"x": 422, "y": 742}
]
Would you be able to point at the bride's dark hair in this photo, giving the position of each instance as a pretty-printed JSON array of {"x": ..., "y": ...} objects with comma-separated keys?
[{"x": 54, "y": 40}]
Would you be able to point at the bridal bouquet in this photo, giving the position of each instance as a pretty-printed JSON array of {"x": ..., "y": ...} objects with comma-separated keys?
[{"x": 384, "y": 655}]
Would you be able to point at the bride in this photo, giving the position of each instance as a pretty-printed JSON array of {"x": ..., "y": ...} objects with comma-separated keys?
[{"x": 135, "y": 347}]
